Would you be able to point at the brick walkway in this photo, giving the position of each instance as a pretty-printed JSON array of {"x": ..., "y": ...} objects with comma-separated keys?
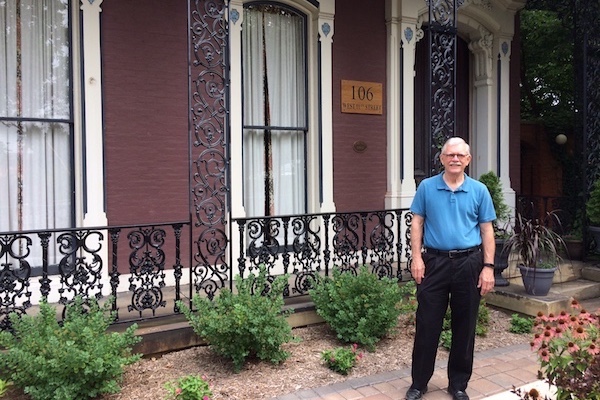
[{"x": 495, "y": 371}]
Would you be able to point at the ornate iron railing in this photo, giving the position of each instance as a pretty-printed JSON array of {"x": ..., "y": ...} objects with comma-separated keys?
[
  {"x": 310, "y": 244},
  {"x": 141, "y": 269},
  {"x": 61, "y": 264}
]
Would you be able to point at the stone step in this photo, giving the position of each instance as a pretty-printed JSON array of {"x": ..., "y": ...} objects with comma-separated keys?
[{"x": 583, "y": 284}]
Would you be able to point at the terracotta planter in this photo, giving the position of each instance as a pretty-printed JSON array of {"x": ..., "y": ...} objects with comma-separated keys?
[{"x": 537, "y": 281}]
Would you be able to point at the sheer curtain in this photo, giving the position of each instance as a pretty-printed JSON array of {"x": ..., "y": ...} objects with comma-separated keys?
[
  {"x": 35, "y": 128},
  {"x": 274, "y": 112}
]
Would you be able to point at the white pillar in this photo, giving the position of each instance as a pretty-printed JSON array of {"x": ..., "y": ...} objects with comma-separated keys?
[
  {"x": 235, "y": 21},
  {"x": 402, "y": 36},
  {"x": 482, "y": 144},
  {"x": 93, "y": 141},
  {"x": 325, "y": 26},
  {"x": 504, "y": 120},
  {"x": 95, "y": 214}
]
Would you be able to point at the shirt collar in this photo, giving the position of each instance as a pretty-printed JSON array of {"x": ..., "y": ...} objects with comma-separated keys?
[{"x": 441, "y": 185}]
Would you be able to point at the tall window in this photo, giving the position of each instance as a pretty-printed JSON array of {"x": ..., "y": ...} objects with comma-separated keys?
[
  {"x": 36, "y": 172},
  {"x": 274, "y": 110}
]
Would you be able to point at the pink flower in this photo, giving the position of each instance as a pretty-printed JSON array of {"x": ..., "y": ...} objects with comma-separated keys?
[
  {"x": 562, "y": 322},
  {"x": 579, "y": 333},
  {"x": 572, "y": 347},
  {"x": 593, "y": 349},
  {"x": 537, "y": 340},
  {"x": 558, "y": 331},
  {"x": 544, "y": 355}
]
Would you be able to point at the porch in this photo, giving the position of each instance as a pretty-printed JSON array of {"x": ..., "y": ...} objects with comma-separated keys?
[{"x": 143, "y": 270}]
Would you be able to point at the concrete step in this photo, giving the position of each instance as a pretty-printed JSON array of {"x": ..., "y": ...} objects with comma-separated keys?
[{"x": 581, "y": 283}]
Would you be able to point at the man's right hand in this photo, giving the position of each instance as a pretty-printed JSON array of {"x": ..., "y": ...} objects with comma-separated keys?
[{"x": 417, "y": 270}]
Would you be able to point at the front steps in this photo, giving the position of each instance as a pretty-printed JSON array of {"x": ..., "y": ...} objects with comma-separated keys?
[{"x": 576, "y": 280}]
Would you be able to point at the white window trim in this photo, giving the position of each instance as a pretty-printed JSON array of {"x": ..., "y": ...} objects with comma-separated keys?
[{"x": 319, "y": 27}]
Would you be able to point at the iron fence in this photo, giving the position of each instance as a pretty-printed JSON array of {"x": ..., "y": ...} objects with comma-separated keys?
[{"x": 144, "y": 270}]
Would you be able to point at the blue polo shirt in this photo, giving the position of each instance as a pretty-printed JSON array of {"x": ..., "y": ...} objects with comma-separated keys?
[{"x": 452, "y": 218}]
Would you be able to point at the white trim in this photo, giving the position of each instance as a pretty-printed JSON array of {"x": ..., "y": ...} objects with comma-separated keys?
[
  {"x": 317, "y": 107},
  {"x": 94, "y": 146},
  {"x": 95, "y": 214}
]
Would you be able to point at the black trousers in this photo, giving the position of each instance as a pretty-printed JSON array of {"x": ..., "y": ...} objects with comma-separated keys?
[{"x": 447, "y": 281}]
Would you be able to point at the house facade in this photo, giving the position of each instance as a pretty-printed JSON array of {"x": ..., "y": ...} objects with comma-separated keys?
[{"x": 147, "y": 144}]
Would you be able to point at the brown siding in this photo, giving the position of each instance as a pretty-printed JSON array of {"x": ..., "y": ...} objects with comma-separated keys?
[
  {"x": 144, "y": 62},
  {"x": 359, "y": 53}
]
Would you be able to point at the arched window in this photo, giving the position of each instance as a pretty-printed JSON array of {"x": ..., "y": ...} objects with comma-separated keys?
[
  {"x": 275, "y": 116},
  {"x": 36, "y": 122}
]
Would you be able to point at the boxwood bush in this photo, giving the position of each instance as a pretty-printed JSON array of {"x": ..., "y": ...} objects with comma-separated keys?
[
  {"x": 249, "y": 323},
  {"x": 75, "y": 360},
  {"x": 361, "y": 308}
]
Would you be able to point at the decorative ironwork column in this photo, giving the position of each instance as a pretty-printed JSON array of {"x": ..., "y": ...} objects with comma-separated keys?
[
  {"x": 442, "y": 55},
  {"x": 590, "y": 29},
  {"x": 209, "y": 162}
]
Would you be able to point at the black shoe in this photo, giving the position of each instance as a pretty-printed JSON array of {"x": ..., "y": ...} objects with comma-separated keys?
[
  {"x": 460, "y": 395},
  {"x": 415, "y": 394}
]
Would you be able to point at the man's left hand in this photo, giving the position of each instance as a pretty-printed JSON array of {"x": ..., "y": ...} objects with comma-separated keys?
[{"x": 486, "y": 280}]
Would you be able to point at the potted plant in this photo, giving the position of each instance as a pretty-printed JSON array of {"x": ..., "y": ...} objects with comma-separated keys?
[
  {"x": 574, "y": 239},
  {"x": 592, "y": 208},
  {"x": 494, "y": 186},
  {"x": 537, "y": 245}
]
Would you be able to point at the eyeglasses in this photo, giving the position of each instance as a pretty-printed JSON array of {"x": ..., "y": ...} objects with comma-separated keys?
[{"x": 460, "y": 156}]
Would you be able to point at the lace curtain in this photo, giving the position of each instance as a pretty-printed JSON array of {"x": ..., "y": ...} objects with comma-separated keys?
[
  {"x": 274, "y": 111},
  {"x": 35, "y": 129}
]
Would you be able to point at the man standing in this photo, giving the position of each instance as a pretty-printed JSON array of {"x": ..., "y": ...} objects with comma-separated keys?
[{"x": 453, "y": 247}]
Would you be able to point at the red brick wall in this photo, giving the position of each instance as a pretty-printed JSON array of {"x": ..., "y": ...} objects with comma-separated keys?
[
  {"x": 541, "y": 172},
  {"x": 144, "y": 61},
  {"x": 359, "y": 49}
]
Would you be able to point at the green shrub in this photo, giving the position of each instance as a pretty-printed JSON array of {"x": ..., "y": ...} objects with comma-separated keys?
[
  {"x": 409, "y": 304},
  {"x": 190, "y": 387},
  {"x": 520, "y": 324},
  {"x": 3, "y": 387},
  {"x": 359, "y": 308},
  {"x": 341, "y": 359},
  {"x": 72, "y": 361},
  {"x": 592, "y": 205},
  {"x": 246, "y": 324},
  {"x": 483, "y": 320}
]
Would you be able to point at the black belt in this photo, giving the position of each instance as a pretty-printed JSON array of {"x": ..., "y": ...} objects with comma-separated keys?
[{"x": 453, "y": 253}]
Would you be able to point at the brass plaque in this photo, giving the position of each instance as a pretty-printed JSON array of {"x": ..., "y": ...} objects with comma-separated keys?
[{"x": 362, "y": 97}]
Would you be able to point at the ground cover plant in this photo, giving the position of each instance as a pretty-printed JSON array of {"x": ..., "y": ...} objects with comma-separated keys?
[
  {"x": 341, "y": 359},
  {"x": 189, "y": 387},
  {"x": 74, "y": 360}
]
